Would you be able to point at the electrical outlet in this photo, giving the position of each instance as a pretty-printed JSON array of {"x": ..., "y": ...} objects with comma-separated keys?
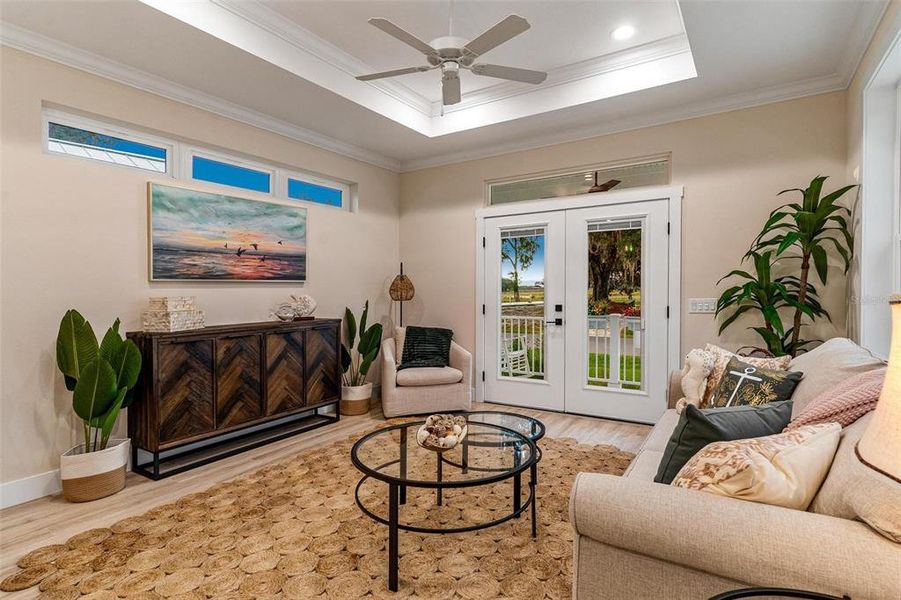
[{"x": 702, "y": 305}]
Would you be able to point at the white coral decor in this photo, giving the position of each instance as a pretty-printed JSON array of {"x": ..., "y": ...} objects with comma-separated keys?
[{"x": 441, "y": 432}]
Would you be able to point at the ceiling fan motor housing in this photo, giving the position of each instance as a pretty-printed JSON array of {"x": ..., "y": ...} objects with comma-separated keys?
[{"x": 450, "y": 48}]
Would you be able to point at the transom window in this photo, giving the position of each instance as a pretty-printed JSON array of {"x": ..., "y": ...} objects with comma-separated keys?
[
  {"x": 87, "y": 138},
  {"x": 639, "y": 173}
]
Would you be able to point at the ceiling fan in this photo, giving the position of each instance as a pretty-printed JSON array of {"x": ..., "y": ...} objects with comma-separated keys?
[{"x": 451, "y": 53}]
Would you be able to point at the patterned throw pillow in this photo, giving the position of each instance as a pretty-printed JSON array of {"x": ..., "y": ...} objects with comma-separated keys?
[
  {"x": 721, "y": 359},
  {"x": 743, "y": 383},
  {"x": 785, "y": 469},
  {"x": 426, "y": 347}
]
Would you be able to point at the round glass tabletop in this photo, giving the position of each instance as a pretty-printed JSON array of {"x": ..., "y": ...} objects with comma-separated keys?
[
  {"x": 393, "y": 455},
  {"x": 525, "y": 425}
]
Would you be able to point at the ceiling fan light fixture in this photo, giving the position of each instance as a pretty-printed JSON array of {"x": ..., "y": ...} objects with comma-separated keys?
[{"x": 623, "y": 32}]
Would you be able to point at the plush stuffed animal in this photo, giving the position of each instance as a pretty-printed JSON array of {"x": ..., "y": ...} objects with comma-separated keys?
[{"x": 698, "y": 365}]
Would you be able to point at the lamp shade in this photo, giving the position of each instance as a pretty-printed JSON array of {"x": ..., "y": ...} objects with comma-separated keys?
[
  {"x": 401, "y": 289},
  {"x": 880, "y": 445}
]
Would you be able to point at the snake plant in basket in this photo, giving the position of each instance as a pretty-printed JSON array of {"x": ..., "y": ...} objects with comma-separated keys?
[
  {"x": 356, "y": 360},
  {"x": 100, "y": 377}
]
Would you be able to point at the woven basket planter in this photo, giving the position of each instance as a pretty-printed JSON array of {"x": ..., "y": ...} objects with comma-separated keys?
[
  {"x": 355, "y": 399},
  {"x": 90, "y": 476}
]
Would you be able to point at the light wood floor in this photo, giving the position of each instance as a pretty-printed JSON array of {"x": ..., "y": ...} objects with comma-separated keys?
[{"x": 52, "y": 520}]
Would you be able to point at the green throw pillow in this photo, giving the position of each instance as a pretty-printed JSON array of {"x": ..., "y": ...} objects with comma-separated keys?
[
  {"x": 426, "y": 347},
  {"x": 743, "y": 383},
  {"x": 697, "y": 428}
]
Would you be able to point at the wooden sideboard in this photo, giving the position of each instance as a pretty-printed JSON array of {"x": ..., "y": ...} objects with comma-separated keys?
[{"x": 212, "y": 392}]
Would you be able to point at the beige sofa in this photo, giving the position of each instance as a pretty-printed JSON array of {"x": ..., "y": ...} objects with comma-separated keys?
[
  {"x": 425, "y": 390},
  {"x": 638, "y": 539}
]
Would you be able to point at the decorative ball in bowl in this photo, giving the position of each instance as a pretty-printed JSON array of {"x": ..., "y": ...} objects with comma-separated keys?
[{"x": 441, "y": 432}]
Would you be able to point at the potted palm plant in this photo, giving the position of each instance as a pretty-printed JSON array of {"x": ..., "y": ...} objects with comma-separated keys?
[
  {"x": 100, "y": 377},
  {"x": 356, "y": 359}
]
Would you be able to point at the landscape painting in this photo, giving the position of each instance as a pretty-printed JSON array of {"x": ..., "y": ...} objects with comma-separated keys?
[{"x": 215, "y": 237}]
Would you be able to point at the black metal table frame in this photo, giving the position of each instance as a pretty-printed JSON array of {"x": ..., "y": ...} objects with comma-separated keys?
[{"x": 397, "y": 488}]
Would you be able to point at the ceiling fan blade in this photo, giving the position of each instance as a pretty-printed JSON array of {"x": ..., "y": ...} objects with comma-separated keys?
[
  {"x": 507, "y": 29},
  {"x": 393, "y": 73},
  {"x": 511, "y": 73},
  {"x": 450, "y": 89},
  {"x": 404, "y": 36}
]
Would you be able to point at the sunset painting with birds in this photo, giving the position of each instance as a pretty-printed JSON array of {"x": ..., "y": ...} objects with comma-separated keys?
[{"x": 204, "y": 236}]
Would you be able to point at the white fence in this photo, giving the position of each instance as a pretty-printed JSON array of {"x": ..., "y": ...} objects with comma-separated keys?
[{"x": 612, "y": 340}]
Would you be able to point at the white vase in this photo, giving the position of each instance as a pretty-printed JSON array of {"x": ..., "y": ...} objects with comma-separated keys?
[
  {"x": 355, "y": 399},
  {"x": 93, "y": 475}
]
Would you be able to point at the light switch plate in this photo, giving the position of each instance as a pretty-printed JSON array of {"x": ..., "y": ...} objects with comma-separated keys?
[{"x": 702, "y": 305}]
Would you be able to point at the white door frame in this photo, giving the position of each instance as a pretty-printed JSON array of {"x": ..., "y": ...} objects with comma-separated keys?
[{"x": 673, "y": 194}]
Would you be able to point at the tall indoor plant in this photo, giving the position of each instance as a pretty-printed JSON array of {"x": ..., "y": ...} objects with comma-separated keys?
[
  {"x": 356, "y": 360},
  {"x": 100, "y": 377},
  {"x": 796, "y": 236}
]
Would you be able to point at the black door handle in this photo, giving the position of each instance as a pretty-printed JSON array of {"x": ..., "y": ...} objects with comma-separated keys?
[{"x": 557, "y": 321}]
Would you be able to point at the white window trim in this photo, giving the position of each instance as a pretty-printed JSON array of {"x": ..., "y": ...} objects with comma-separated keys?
[
  {"x": 180, "y": 156},
  {"x": 50, "y": 115},
  {"x": 188, "y": 165},
  {"x": 316, "y": 180}
]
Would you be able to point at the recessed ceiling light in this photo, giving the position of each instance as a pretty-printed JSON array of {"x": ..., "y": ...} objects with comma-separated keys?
[{"x": 623, "y": 32}]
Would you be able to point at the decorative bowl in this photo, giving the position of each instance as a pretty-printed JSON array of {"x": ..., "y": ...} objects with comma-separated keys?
[{"x": 440, "y": 433}]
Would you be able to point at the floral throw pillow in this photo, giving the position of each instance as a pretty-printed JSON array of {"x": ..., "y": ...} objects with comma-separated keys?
[
  {"x": 785, "y": 469},
  {"x": 721, "y": 359},
  {"x": 743, "y": 383}
]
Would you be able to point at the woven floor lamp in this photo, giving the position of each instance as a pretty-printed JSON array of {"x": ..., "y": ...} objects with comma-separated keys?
[{"x": 401, "y": 291}]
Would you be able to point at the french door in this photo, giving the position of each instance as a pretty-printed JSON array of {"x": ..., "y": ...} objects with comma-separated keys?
[{"x": 575, "y": 313}]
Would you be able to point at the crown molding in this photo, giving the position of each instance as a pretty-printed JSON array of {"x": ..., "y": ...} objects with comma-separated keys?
[
  {"x": 303, "y": 39},
  {"x": 779, "y": 93},
  {"x": 45, "y": 47},
  {"x": 592, "y": 67}
]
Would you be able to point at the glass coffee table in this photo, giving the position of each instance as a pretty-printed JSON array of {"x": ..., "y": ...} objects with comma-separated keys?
[{"x": 498, "y": 447}]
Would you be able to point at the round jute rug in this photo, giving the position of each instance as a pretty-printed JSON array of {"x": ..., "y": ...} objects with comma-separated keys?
[{"x": 292, "y": 530}]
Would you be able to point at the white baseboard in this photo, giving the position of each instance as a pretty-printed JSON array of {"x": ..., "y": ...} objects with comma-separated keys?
[{"x": 29, "y": 488}]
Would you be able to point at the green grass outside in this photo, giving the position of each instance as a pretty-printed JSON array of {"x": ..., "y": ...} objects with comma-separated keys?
[{"x": 598, "y": 366}]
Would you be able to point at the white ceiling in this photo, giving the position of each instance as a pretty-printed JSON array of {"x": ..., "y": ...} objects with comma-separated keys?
[
  {"x": 585, "y": 25},
  {"x": 744, "y": 52}
]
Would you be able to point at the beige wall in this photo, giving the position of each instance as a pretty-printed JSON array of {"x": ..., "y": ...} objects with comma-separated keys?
[
  {"x": 732, "y": 165},
  {"x": 74, "y": 234}
]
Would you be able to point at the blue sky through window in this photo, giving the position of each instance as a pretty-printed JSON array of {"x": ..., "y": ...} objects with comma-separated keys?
[
  {"x": 206, "y": 169},
  {"x": 535, "y": 272},
  {"x": 64, "y": 133},
  {"x": 304, "y": 190}
]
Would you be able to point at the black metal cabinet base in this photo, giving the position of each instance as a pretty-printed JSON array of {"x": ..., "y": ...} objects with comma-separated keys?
[{"x": 167, "y": 463}]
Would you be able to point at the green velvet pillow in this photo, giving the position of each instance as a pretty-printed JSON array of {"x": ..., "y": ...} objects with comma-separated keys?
[
  {"x": 697, "y": 428},
  {"x": 426, "y": 347},
  {"x": 743, "y": 383}
]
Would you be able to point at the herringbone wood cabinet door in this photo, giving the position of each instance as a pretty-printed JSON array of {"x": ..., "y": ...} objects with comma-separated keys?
[
  {"x": 322, "y": 358},
  {"x": 239, "y": 392},
  {"x": 284, "y": 372},
  {"x": 185, "y": 389}
]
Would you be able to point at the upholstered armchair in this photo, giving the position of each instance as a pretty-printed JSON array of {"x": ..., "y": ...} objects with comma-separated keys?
[{"x": 428, "y": 389}]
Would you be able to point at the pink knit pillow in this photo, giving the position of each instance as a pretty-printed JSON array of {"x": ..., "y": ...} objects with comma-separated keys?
[{"x": 845, "y": 403}]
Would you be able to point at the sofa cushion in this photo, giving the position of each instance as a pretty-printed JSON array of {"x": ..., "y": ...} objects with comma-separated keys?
[
  {"x": 828, "y": 365},
  {"x": 744, "y": 383},
  {"x": 785, "y": 469},
  {"x": 722, "y": 357},
  {"x": 845, "y": 403},
  {"x": 420, "y": 376},
  {"x": 697, "y": 428},
  {"x": 854, "y": 491}
]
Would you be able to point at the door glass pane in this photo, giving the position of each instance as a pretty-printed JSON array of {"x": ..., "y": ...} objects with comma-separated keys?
[
  {"x": 614, "y": 304},
  {"x": 522, "y": 311}
]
